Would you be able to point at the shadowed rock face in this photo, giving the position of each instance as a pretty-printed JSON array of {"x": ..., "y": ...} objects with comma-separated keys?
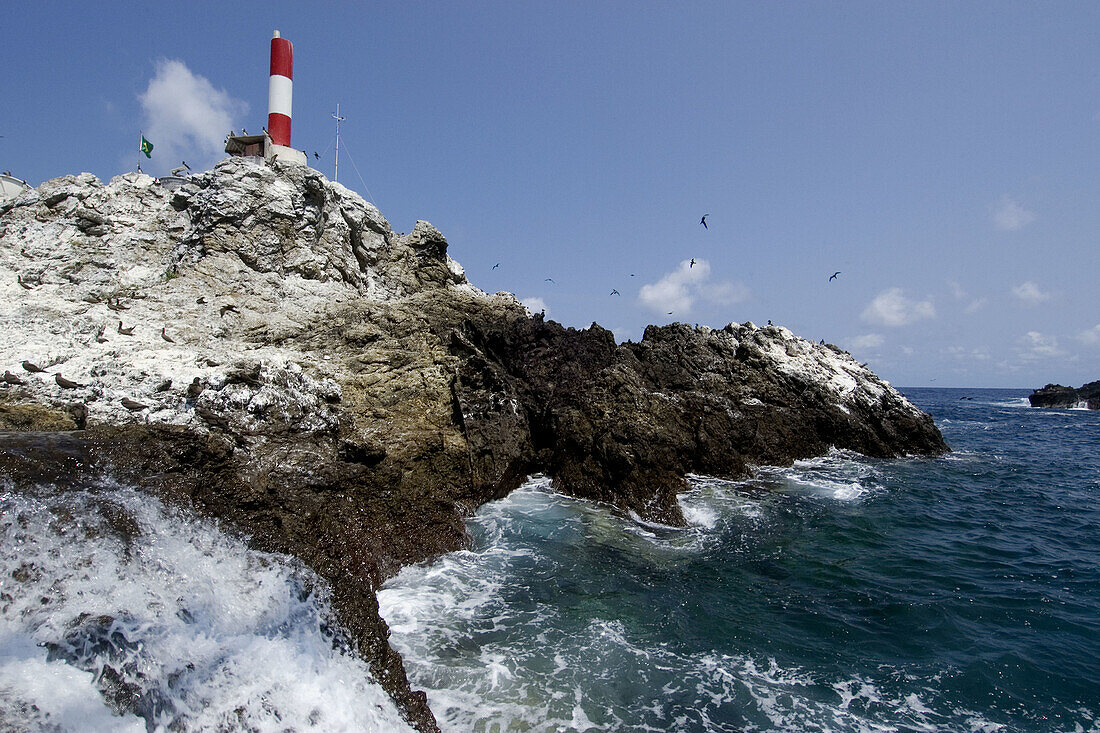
[
  {"x": 1055, "y": 395},
  {"x": 361, "y": 398}
]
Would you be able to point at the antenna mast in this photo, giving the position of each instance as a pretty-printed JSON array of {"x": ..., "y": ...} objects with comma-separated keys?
[{"x": 336, "y": 173}]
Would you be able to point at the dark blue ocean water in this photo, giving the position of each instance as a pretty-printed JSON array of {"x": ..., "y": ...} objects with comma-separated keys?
[{"x": 959, "y": 593}]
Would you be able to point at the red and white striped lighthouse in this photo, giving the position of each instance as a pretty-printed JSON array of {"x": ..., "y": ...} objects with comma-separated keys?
[{"x": 280, "y": 90}]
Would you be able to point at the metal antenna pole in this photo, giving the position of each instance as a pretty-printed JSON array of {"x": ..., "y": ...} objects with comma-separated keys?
[{"x": 336, "y": 173}]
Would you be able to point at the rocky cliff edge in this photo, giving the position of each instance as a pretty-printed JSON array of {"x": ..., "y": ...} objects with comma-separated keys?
[{"x": 258, "y": 345}]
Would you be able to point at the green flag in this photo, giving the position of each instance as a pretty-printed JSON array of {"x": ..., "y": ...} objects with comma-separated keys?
[{"x": 146, "y": 147}]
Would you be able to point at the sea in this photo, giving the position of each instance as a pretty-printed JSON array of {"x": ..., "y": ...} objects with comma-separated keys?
[{"x": 843, "y": 593}]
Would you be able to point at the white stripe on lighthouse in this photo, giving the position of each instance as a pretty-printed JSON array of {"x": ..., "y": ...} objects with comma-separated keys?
[{"x": 279, "y": 95}]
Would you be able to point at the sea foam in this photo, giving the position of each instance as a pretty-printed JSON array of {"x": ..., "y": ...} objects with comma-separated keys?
[{"x": 119, "y": 614}]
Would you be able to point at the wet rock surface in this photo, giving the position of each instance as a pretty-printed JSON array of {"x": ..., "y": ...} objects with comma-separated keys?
[{"x": 337, "y": 391}]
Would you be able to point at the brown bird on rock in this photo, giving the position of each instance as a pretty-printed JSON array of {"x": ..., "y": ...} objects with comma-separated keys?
[
  {"x": 32, "y": 368},
  {"x": 165, "y": 336},
  {"x": 66, "y": 383},
  {"x": 125, "y": 331},
  {"x": 10, "y": 378},
  {"x": 132, "y": 405}
]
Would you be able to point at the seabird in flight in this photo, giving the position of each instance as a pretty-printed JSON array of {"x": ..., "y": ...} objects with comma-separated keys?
[
  {"x": 833, "y": 276},
  {"x": 315, "y": 155},
  {"x": 549, "y": 280},
  {"x": 703, "y": 221},
  {"x": 496, "y": 265},
  {"x": 692, "y": 263},
  {"x": 615, "y": 292}
]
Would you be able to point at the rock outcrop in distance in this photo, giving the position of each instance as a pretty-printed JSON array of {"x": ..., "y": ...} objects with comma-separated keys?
[
  {"x": 258, "y": 345},
  {"x": 1055, "y": 395}
]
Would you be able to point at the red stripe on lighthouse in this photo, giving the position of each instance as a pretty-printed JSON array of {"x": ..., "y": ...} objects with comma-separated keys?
[{"x": 280, "y": 87}]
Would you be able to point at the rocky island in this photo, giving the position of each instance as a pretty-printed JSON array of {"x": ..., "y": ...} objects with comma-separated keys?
[
  {"x": 1055, "y": 395},
  {"x": 257, "y": 345}
]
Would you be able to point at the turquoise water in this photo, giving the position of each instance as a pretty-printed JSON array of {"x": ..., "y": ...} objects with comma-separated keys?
[{"x": 959, "y": 593}]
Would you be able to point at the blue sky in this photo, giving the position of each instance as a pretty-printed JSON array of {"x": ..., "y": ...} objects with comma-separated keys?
[{"x": 942, "y": 156}]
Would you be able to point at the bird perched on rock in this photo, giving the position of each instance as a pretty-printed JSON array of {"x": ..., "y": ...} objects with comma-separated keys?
[
  {"x": 200, "y": 300},
  {"x": 132, "y": 405},
  {"x": 195, "y": 389},
  {"x": 26, "y": 285},
  {"x": 67, "y": 383},
  {"x": 164, "y": 386},
  {"x": 165, "y": 336},
  {"x": 116, "y": 305},
  {"x": 229, "y": 309},
  {"x": 99, "y": 337},
  {"x": 125, "y": 331},
  {"x": 32, "y": 368},
  {"x": 10, "y": 378}
]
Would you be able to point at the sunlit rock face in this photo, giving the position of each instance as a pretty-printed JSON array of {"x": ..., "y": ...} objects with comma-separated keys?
[{"x": 259, "y": 346}]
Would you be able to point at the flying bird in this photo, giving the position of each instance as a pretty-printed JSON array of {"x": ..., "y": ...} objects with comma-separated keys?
[
  {"x": 549, "y": 280},
  {"x": 185, "y": 164},
  {"x": 132, "y": 405},
  {"x": 833, "y": 276},
  {"x": 703, "y": 221},
  {"x": 125, "y": 331},
  {"x": 692, "y": 263},
  {"x": 496, "y": 265},
  {"x": 67, "y": 383},
  {"x": 315, "y": 155},
  {"x": 615, "y": 292},
  {"x": 32, "y": 368}
]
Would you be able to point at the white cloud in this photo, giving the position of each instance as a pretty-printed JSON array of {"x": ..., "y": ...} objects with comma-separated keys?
[
  {"x": 976, "y": 305},
  {"x": 678, "y": 290},
  {"x": 866, "y": 341},
  {"x": 1030, "y": 293},
  {"x": 186, "y": 117},
  {"x": 1034, "y": 345},
  {"x": 1090, "y": 336},
  {"x": 892, "y": 308},
  {"x": 1010, "y": 215},
  {"x": 960, "y": 293},
  {"x": 535, "y": 305}
]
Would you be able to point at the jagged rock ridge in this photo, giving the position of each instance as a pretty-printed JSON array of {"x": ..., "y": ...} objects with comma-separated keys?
[
  {"x": 1056, "y": 395},
  {"x": 340, "y": 392}
]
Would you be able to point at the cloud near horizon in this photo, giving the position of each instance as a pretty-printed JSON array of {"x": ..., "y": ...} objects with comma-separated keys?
[
  {"x": 1034, "y": 345},
  {"x": 535, "y": 305},
  {"x": 186, "y": 117},
  {"x": 892, "y": 308},
  {"x": 1010, "y": 216},
  {"x": 865, "y": 341},
  {"x": 678, "y": 290},
  {"x": 1090, "y": 336}
]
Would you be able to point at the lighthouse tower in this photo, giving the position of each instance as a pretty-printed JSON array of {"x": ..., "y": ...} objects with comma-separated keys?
[{"x": 274, "y": 144}]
